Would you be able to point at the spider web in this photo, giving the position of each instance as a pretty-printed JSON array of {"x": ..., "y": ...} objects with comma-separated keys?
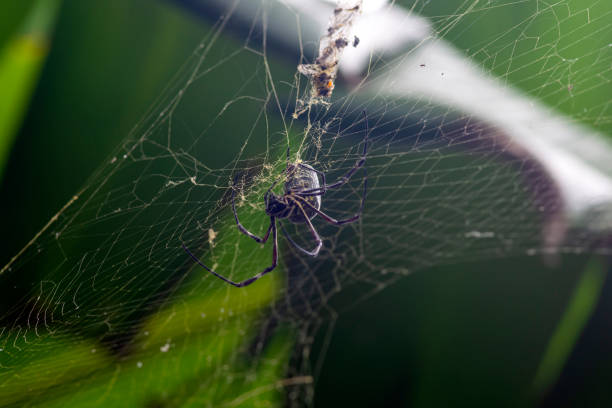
[{"x": 118, "y": 314}]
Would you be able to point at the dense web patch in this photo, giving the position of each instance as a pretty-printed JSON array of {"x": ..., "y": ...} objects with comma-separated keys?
[{"x": 465, "y": 163}]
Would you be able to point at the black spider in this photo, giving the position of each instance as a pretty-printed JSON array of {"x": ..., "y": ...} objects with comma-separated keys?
[{"x": 300, "y": 203}]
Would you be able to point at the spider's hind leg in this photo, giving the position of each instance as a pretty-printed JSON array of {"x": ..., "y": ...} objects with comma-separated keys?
[
  {"x": 320, "y": 173},
  {"x": 314, "y": 252},
  {"x": 332, "y": 220},
  {"x": 252, "y": 279},
  {"x": 312, "y": 229}
]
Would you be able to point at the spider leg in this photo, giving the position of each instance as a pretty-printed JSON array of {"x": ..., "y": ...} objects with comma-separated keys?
[
  {"x": 271, "y": 187},
  {"x": 331, "y": 219},
  {"x": 243, "y": 229},
  {"x": 319, "y": 172},
  {"x": 347, "y": 176},
  {"x": 312, "y": 229},
  {"x": 252, "y": 279},
  {"x": 314, "y": 252}
]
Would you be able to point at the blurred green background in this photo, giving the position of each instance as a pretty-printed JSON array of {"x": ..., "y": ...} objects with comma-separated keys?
[{"x": 77, "y": 76}]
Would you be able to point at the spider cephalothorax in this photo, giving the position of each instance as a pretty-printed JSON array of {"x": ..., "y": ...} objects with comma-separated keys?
[{"x": 300, "y": 202}]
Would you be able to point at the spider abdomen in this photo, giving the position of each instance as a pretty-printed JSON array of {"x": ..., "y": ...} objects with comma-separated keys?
[{"x": 300, "y": 179}]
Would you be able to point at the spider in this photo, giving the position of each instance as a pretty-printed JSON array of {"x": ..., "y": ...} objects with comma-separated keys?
[{"x": 300, "y": 203}]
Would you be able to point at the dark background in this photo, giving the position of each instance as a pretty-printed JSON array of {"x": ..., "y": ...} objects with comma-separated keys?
[{"x": 470, "y": 334}]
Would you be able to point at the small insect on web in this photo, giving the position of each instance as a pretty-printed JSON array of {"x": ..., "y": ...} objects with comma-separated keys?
[{"x": 300, "y": 203}]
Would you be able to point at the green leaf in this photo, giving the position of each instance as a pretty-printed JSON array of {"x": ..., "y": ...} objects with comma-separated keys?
[
  {"x": 576, "y": 316},
  {"x": 20, "y": 63}
]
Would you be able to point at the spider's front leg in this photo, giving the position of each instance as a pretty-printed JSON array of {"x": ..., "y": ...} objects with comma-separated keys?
[
  {"x": 242, "y": 228},
  {"x": 252, "y": 279}
]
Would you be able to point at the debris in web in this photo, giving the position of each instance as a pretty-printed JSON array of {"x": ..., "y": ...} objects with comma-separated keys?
[
  {"x": 323, "y": 72},
  {"x": 212, "y": 234}
]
